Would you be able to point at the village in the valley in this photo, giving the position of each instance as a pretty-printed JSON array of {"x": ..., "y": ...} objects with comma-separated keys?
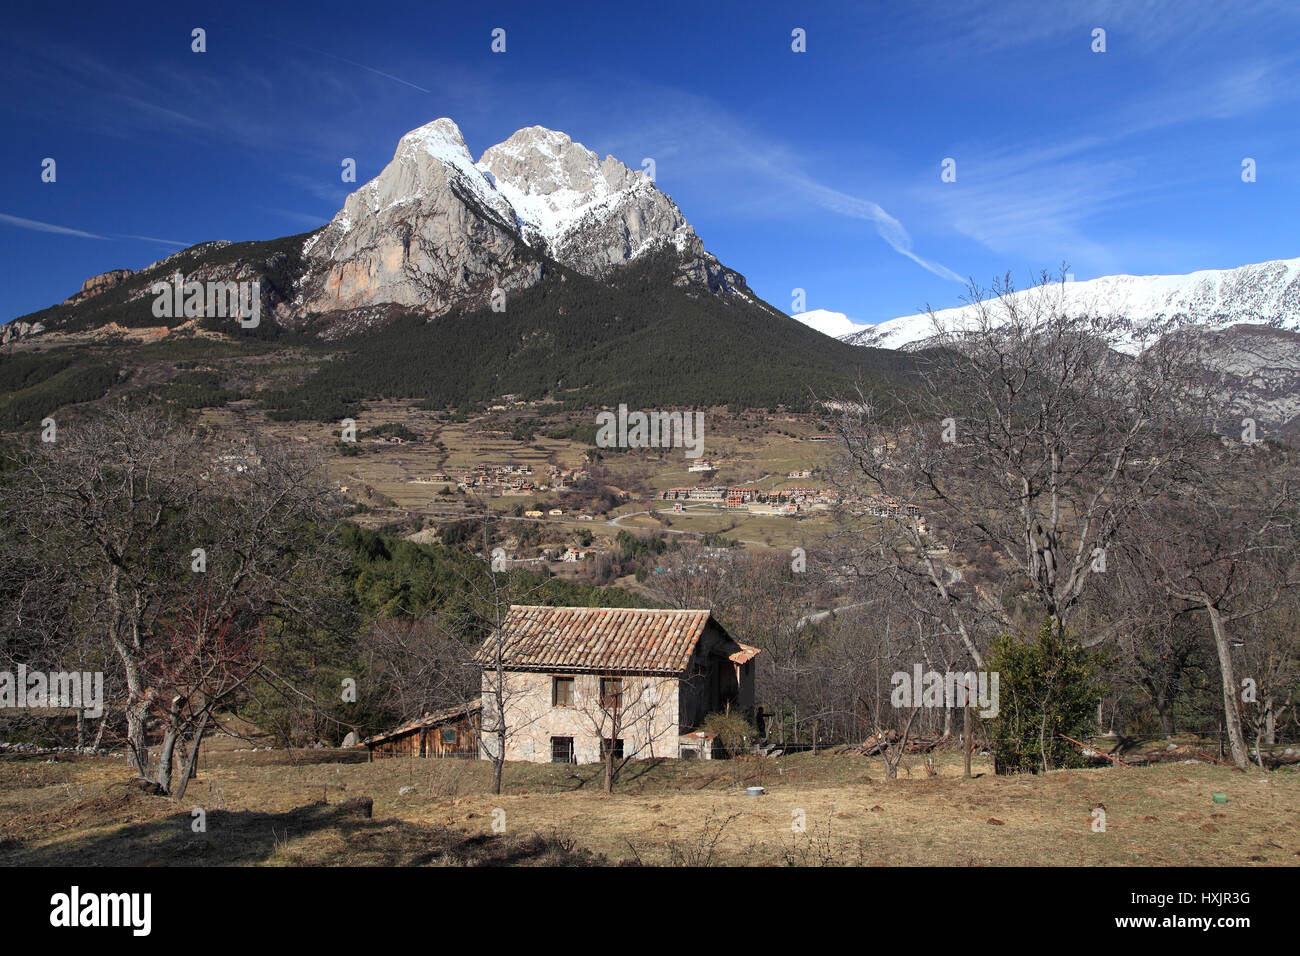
[{"x": 582, "y": 501}]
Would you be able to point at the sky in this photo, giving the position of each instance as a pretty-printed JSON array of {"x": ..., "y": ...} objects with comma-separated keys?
[{"x": 819, "y": 170}]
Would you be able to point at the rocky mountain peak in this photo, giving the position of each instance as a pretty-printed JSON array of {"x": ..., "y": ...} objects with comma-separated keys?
[
  {"x": 590, "y": 214},
  {"x": 441, "y": 134},
  {"x": 435, "y": 231},
  {"x": 428, "y": 232},
  {"x": 434, "y": 228},
  {"x": 1247, "y": 321},
  {"x": 540, "y": 161},
  {"x": 428, "y": 159},
  {"x": 100, "y": 283}
]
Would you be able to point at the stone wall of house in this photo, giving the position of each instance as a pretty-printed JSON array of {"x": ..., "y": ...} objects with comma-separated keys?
[
  {"x": 712, "y": 683},
  {"x": 647, "y": 722}
]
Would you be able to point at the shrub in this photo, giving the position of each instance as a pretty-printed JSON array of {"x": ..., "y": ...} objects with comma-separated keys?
[
  {"x": 732, "y": 730},
  {"x": 1047, "y": 687}
]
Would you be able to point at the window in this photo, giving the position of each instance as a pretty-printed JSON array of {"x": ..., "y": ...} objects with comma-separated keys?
[
  {"x": 611, "y": 693},
  {"x": 449, "y": 736},
  {"x": 616, "y": 745},
  {"x": 561, "y": 691},
  {"x": 561, "y": 750}
]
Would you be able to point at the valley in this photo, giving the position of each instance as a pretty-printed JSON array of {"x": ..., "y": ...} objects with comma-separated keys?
[
  {"x": 413, "y": 485},
  {"x": 381, "y": 510}
]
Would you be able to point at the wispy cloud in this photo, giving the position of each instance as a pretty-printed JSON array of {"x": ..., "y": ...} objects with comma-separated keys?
[
  {"x": 1169, "y": 28},
  {"x": 303, "y": 218},
  {"x": 162, "y": 113},
  {"x": 1042, "y": 194},
  {"x": 331, "y": 190},
  {"x": 705, "y": 139},
  {"x": 109, "y": 100}
]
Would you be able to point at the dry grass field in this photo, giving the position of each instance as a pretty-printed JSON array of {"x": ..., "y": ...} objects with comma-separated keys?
[{"x": 287, "y": 808}]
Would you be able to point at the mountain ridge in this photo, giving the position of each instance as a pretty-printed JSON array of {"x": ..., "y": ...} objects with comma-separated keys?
[
  {"x": 1264, "y": 293},
  {"x": 435, "y": 230},
  {"x": 1246, "y": 320},
  {"x": 539, "y": 271}
]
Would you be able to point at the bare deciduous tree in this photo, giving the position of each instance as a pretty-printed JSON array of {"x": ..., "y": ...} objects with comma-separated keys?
[
  {"x": 198, "y": 662},
  {"x": 1025, "y": 436},
  {"x": 144, "y": 513},
  {"x": 629, "y": 715},
  {"x": 1222, "y": 546},
  {"x": 504, "y": 715}
]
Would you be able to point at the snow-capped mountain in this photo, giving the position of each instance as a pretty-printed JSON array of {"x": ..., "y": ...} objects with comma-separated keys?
[
  {"x": 1266, "y": 293},
  {"x": 835, "y": 324},
  {"x": 561, "y": 191},
  {"x": 1248, "y": 320},
  {"x": 435, "y": 228},
  {"x": 434, "y": 232}
]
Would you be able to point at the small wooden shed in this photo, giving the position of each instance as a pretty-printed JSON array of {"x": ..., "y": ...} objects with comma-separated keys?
[{"x": 447, "y": 733}]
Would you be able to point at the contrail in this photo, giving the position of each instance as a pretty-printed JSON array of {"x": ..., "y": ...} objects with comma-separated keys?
[
  {"x": 165, "y": 242},
  {"x": 362, "y": 66},
  {"x": 889, "y": 228},
  {"x": 38, "y": 226}
]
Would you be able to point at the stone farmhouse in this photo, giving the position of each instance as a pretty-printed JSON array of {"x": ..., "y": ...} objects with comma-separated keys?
[{"x": 575, "y": 681}]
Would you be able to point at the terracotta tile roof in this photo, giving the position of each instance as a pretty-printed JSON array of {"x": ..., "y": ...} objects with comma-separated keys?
[
  {"x": 599, "y": 639},
  {"x": 744, "y": 655}
]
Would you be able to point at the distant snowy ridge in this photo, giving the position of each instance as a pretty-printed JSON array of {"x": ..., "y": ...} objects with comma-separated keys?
[
  {"x": 1266, "y": 293},
  {"x": 835, "y": 324}
]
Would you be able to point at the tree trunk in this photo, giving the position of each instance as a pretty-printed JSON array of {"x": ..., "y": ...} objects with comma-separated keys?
[
  {"x": 137, "y": 748},
  {"x": 499, "y": 691},
  {"x": 190, "y": 768},
  {"x": 498, "y": 765},
  {"x": 894, "y": 758},
  {"x": 168, "y": 749},
  {"x": 1231, "y": 715},
  {"x": 967, "y": 743},
  {"x": 137, "y": 696},
  {"x": 1042, "y": 741},
  {"x": 1166, "y": 712},
  {"x": 137, "y": 709}
]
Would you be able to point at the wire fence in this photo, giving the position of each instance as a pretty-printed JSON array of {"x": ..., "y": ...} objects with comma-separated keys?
[{"x": 440, "y": 755}]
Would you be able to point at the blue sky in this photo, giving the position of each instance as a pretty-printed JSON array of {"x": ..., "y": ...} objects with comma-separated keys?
[{"x": 816, "y": 170}]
